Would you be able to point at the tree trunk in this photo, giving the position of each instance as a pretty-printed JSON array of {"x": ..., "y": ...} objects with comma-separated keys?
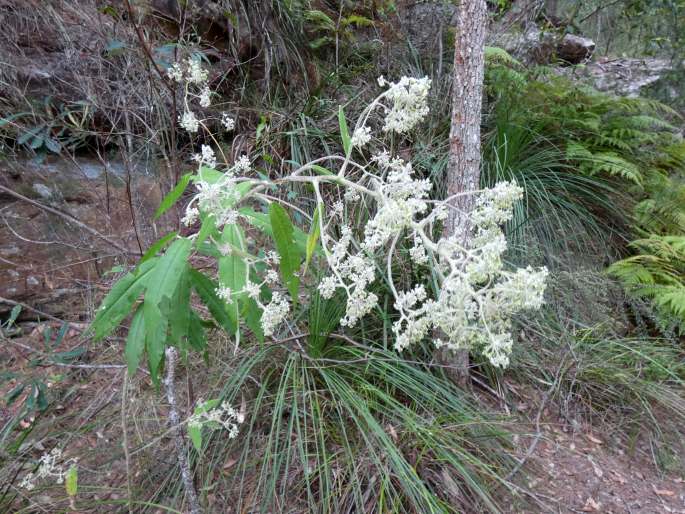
[{"x": 463, "y": 171}]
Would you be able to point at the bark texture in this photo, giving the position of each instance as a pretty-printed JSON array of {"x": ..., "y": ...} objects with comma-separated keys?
[
  {"x": 178, "y": 431},
  {"x": 463, "y": 171}
]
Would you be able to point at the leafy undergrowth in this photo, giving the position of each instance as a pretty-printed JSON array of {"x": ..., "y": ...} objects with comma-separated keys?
[{"x": 353, "y": 429}]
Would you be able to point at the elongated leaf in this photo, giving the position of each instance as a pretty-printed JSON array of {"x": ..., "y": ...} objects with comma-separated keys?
[
  {"x": 233, "y": 268},
  {"x": 155, "y": 338},
  {"x": 157, "y": 246},
  {"x": 135, "y": 342},
  {"x": 71, "y": 481},
  {"x": 252, "y": 314},
  {"x": 206, "y": 290},
  {"x": 179, "y": 319},
  {"x": 287, "y": 249},
  {"x": 195, "y": 434},
  {"x": 118, "y": 303},
  {"x": 262, "y": 222},
  {"x": 313, "y": 237},
  {"x": 344, "y": 133},
  {"x": 172, "y": 197},
  {"x": 321, "y": 170},
  {"x": 196, "y": 333},
  {"x": 168, "y": 271}
]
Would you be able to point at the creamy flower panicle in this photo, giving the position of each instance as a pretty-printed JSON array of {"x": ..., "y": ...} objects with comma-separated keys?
[{"x": 473, "y": 298}]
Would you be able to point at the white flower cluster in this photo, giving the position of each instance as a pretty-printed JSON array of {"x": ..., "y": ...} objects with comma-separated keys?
[
  {"x": 193, "y": 76},
  {"x": 189, "y": 71},
  {"x": 352, "y": 271},
  {"x": 473, "y": 298},
  {"x": 409, "y": 99},
  {"x": 361, "y": 137},
  {"x": 206, "y": 158},
  {"x": 401, "y": 198},
  {"x": 274, "y": 313},
  {"x": 477, "y": 297},
  {"x": 51, "y": 466},
  {"x": 227, "y": 121},
  {"x": 216, "y": 198},
  {"x": 224, "y": 416}
]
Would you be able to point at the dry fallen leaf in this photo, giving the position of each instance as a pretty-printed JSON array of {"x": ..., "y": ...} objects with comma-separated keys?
[
  {"x": 230, "y": 463},
  {"x": 593, "y": 439},
  {"x": 663, "y": 492},
  {"x": 618, "y": 478},
  {"x": 591, "y": 506}
]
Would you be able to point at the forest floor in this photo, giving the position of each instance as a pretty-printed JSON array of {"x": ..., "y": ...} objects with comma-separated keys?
[{"x": 584, "y": 468}]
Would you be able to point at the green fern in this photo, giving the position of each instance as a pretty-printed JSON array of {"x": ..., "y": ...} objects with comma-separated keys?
[{"x": 657, "y": 273}]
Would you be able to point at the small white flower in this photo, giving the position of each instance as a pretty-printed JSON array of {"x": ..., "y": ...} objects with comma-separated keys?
[
  {"x": 227, "y": 122},
  {"x": 175, "y": 72},
  {"x": 191, "y": 216},
  {"x": 272, "y": 257},
  {"x": 409, "y": 99},
  {"x": 207, "y": 157},
  {"x": 224, "y": 293},
  {"x": 274, "y": 313},
  {"x": 205, "y": 96},
  {"x": 195, "y": 74},
  {"x": 189, "y": 122},
  {"x": 361, "y": 137},
  {"x": 271, "y": 277},
  {"x": 243, "y": 164},
  {"x": 253, "y": 290}
]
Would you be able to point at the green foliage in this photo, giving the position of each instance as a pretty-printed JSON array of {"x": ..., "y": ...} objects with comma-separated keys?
[
  {"x": 657, "y": 272},
  {"x": 291, "y": 258},
  {"x": 352, "y": 427}
]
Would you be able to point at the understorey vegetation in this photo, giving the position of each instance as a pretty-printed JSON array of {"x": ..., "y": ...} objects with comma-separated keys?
[{"x": 272, "y": 337}]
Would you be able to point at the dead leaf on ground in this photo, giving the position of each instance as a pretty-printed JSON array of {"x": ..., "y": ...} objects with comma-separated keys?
[
  {"x": 594, "y": 439},
  {"x": 663, "y": 492},
  {"x": 591, "y": 506}
]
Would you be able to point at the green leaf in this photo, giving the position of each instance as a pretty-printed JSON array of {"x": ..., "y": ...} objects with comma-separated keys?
[
  {"x": 207, "y": 229},
  {"x": 287, "y": 249},
  {"x": 344, "y": 133},
  {"x": 313, "y": 238},
  {"x": 118, "y": 303},
  {"x": 252, "y": 314},
  {"x": 155, "y": 338},
  {"x": 13, "y": 315},
  {"x": 156, "y": 247},
  {"x": 196, "y": 333},
  {"x": 168, "y": 272},
  {"x": 179, "y": 323},
  {"x": 135, "y": 341},
  {"x": 53, "y": 145},
  {"x": 321, "y": 170},
  {"x": 71, "y": 481},
  {"x": 233, "y": 268},
  {"x": 262, "y": 222},
  {"x": 14, "y": 394},
  {"x": 161, "y": 288},
  {"x": 172, "y": 197},
  {"x": 205, "y": 288},
  {"x": 195, "y": 434}
]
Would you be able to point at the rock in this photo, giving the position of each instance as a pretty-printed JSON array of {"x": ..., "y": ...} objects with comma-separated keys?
[
  {"x": 425, "y": 23},
  {"x": 42, "y": 190},
  {"x": 623, "y": 76},
  {"x": 574, "y": 49},
  {"x": 529, "y": 46}
]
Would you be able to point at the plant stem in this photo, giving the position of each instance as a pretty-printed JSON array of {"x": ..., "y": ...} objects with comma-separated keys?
[{"x": 179, "y": 439}]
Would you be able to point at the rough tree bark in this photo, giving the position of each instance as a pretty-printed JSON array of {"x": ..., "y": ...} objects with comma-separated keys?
[{"x": 463, "y": 170}]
